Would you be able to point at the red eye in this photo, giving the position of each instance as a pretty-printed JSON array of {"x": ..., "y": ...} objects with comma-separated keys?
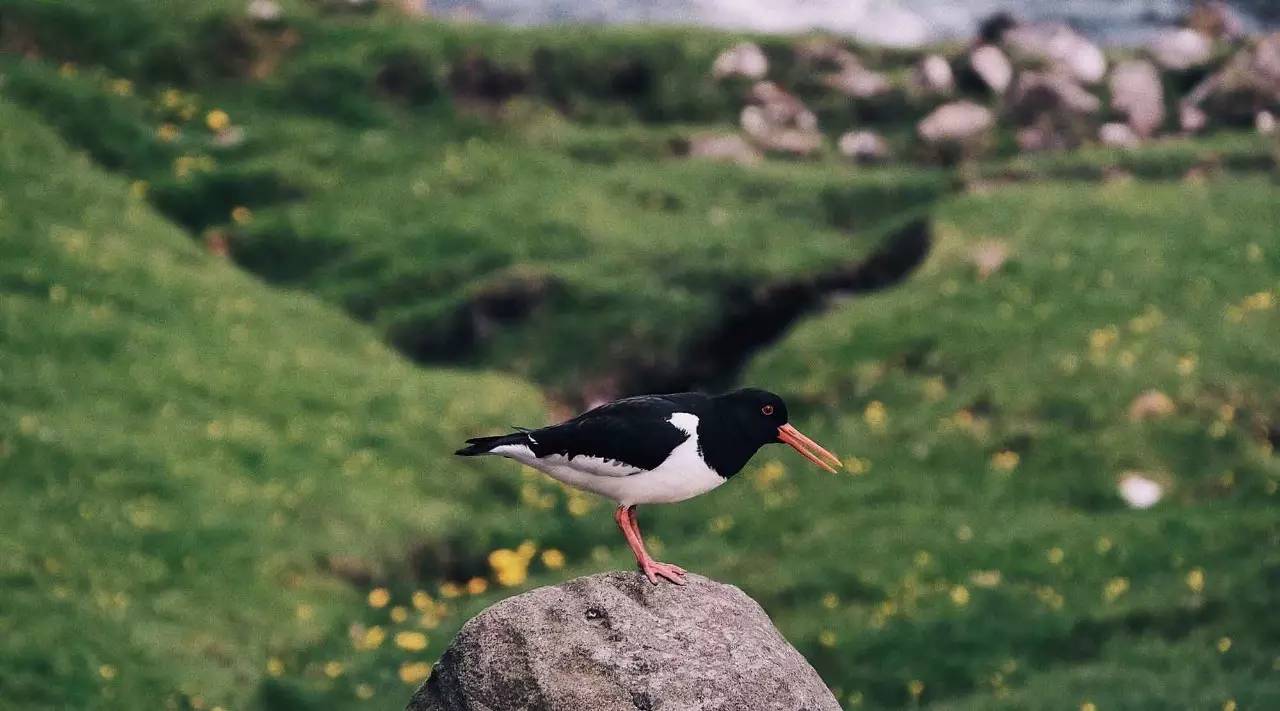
[{"x": 767, "y": 410}]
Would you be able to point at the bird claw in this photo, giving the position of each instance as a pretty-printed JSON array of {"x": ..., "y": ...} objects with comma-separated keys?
[{"x": 653, "y": 570}]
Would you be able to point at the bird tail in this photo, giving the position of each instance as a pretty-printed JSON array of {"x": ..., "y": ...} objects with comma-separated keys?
[{"x": 484, "y": 445}]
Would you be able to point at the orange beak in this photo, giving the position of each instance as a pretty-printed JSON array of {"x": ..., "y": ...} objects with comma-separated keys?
[{"x": 808, "y": 448}]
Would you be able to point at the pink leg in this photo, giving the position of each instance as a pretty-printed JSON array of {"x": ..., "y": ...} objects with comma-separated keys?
[{"x": 625, "y": 516}]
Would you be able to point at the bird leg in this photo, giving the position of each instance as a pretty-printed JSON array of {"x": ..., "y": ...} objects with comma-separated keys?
[{"x": 625, "y": 516}]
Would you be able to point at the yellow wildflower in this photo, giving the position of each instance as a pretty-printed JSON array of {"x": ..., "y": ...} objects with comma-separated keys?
[
  {"x": 1005, "y": 461},
  {"x": 830, "y": 601},
  {"x": 414, "y": 672},
  {"x": 379, "y": 597},
  {"x": 1055, "y": 555},
  {"x": 1115, "y": 587},
  {"x": 106, "y": 671},
  {"x": 364, "y": 692},
  {"x": 241, "y": 215},
  {"x": 915, "y": 687},
  {"x": 275, "y": 667},
  {"x": 333, "y": 669},
  {"x": 476, "y": 586},
  {"x": 167, "y": 132},
  {"x": 1195, "y": 580},
  {"x": 217, "y": 120},
  {"x": 1224, "y": 645},
  {"x": 876, "y": 416},
  {"x": 960, "y": 595},
  {"x": 411, "y": 641},
  {"x": 553, "y": 559},
  {"x": 827, "y": 638},
  {"x": 399, "y": 614},
  {"x": 450, "y": 589}
]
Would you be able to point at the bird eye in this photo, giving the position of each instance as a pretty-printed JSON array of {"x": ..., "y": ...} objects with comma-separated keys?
[{"x": 767, "y": 410}]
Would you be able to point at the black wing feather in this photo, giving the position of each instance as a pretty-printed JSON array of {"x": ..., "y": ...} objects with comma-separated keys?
[{"x": 634, "y": 431}]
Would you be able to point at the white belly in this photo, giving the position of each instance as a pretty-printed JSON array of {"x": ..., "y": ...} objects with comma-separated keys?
[{"x": 682, "y": 475}]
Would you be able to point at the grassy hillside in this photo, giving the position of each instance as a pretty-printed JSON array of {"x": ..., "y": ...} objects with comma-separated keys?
[
  {"x": 184, "y": 450},
  {"x": 983, "y": 549},
  {"x": 222, "y": 487}
]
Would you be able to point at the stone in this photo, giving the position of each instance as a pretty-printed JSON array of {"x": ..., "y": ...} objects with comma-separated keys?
[
  {"x": 1216, "y": 19},
  {"x": 613, "y": 641},
  {"x": 1061, "y": 46},
  {"x": 993, "y": 67},
  {"x": 745, "y": 59},
  {"x": 776, "y": 121},
  {"x": 1136, "y": 92},
  {"x": 1118, "y": 135},
  {"x": 1250, "y": 82},
  {"x": 1265, "y": 122},
  {"x": 864, "y": 147},
  {"x": 956, "y": 122},
  {"x": 1192, "y": 119},
  {"x": 1044, "y": 92},
  {"x": 1180, "y": 49},
  {"x": 934, "y": 76},
  {"x": 264, "y": 11},
  {"x": 857, "y": 82},
  {"x": 725, "y": 148}
]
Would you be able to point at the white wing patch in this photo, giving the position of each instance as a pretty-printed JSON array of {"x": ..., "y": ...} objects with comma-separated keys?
[{"x": 682, "y": 475}]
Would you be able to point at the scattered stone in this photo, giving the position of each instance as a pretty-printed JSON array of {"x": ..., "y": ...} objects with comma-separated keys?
[
  {"x": 1038, "y": 93},
  {"x": 1063, "y": 47},
  {"x": 933, "y": 74},
  {"x": 857, "y": 82},
  {"x": 727, "y": 148},
  {"x": 988, "y": 257},
  {"x": 1192, "y": 119},
  {"x": 864, "y": 147},
  {"x": 1265, "y": 122},
  {"x": 264, "y": 11},
  {"x": 612, "y": 642},
  {"x": 1037, "y": 139},
  {"x": 993, "y": 67},
  {"x": 1215, "y": 19},
  {"x": 1118, "y": 135},
  {"x": 1180, "y": 49},
  {"x": 1150, "y": 405},
  {"x": 1138, "y": 491},
  {"x": 741, "y": 60},
  {"x": 1136, "y": 92},
  {"x": 777, "y": 121},
  {"x": 1248, "y": 82},
  {"x": 959, "y": 122}
]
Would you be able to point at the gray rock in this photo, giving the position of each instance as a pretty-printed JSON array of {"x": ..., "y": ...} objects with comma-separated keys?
[
  {"x": 726, "y": 148},
  {"x": 857, "y": 82},
  {"x": 264, "y": 11},
  {"x": 1047, "y": 92},
  {"x": 1064, "y": 48},
  {"x": 934, "y": 76},
  {"x": 864, "y": 147},
  {"x": 779, "y": 122},
  {"x": 957, "y": 122},
  {"x": 613, "y": 641},
  {"x": 992, "y": 66},
  {"x": 1179, "y": 49},
  {"x": 1137, "y": 93},
  {"x": 1265, "y": 122},
  {"x": 745, "y": 59},
  {"x": 1191, "y": 118},
  {"x": 1250, "y": 82},
  {"x": 1118, "y": 135}
]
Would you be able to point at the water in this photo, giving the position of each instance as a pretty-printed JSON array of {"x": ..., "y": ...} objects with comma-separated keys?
[{"x": 891, "y": 22}]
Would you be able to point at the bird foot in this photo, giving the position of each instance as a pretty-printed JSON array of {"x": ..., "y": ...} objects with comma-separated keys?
[{"x": 653, "y": 570}]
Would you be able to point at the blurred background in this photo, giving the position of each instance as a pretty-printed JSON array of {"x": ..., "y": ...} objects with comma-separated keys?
[{"x": 263, "y": 266}]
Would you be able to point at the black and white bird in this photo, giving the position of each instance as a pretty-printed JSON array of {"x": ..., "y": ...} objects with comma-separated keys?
[{"x": 655, "y": 449}]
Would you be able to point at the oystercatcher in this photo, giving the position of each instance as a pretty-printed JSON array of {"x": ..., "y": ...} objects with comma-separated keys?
[{"x": 655, "y": 449}]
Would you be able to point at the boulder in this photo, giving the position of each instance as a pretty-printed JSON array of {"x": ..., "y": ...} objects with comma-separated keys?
[
  {"x": 745, "y": 59},
  {"x": 1039, "y": 93},
  {"x": 993, "y": 67},
  {"x": 613, "y": 641},
  {"x": 959, "y": 122},
  {"x": 1059, "y": 45},
  {"x": 1118, "y": 135},
  {"x": 1215, "y": 18},
  {"x": 1249, "y": 83},
  {"x": 1265, "y": 122},
  {"x": 725, "y": 148},
  {"x": 1180, "y": 49},
  {"x": 857, "y": 82},
  {"x": 933, "y": 75},
  {"x": 1191, "y": 118},
  {"x": 776, "y": 121},
  {"x": 1136, "y": 92},
  {"x": 864, "y": 147}
]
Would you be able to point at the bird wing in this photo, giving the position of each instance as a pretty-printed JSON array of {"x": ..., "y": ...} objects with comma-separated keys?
[{"x": 634, "y": 432}]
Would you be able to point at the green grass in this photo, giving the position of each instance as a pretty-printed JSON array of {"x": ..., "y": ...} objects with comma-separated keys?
[{"x": 210, "y": 469}]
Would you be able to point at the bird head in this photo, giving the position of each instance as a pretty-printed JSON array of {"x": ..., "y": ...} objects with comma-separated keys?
[{"x": 762, "y": 415}]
